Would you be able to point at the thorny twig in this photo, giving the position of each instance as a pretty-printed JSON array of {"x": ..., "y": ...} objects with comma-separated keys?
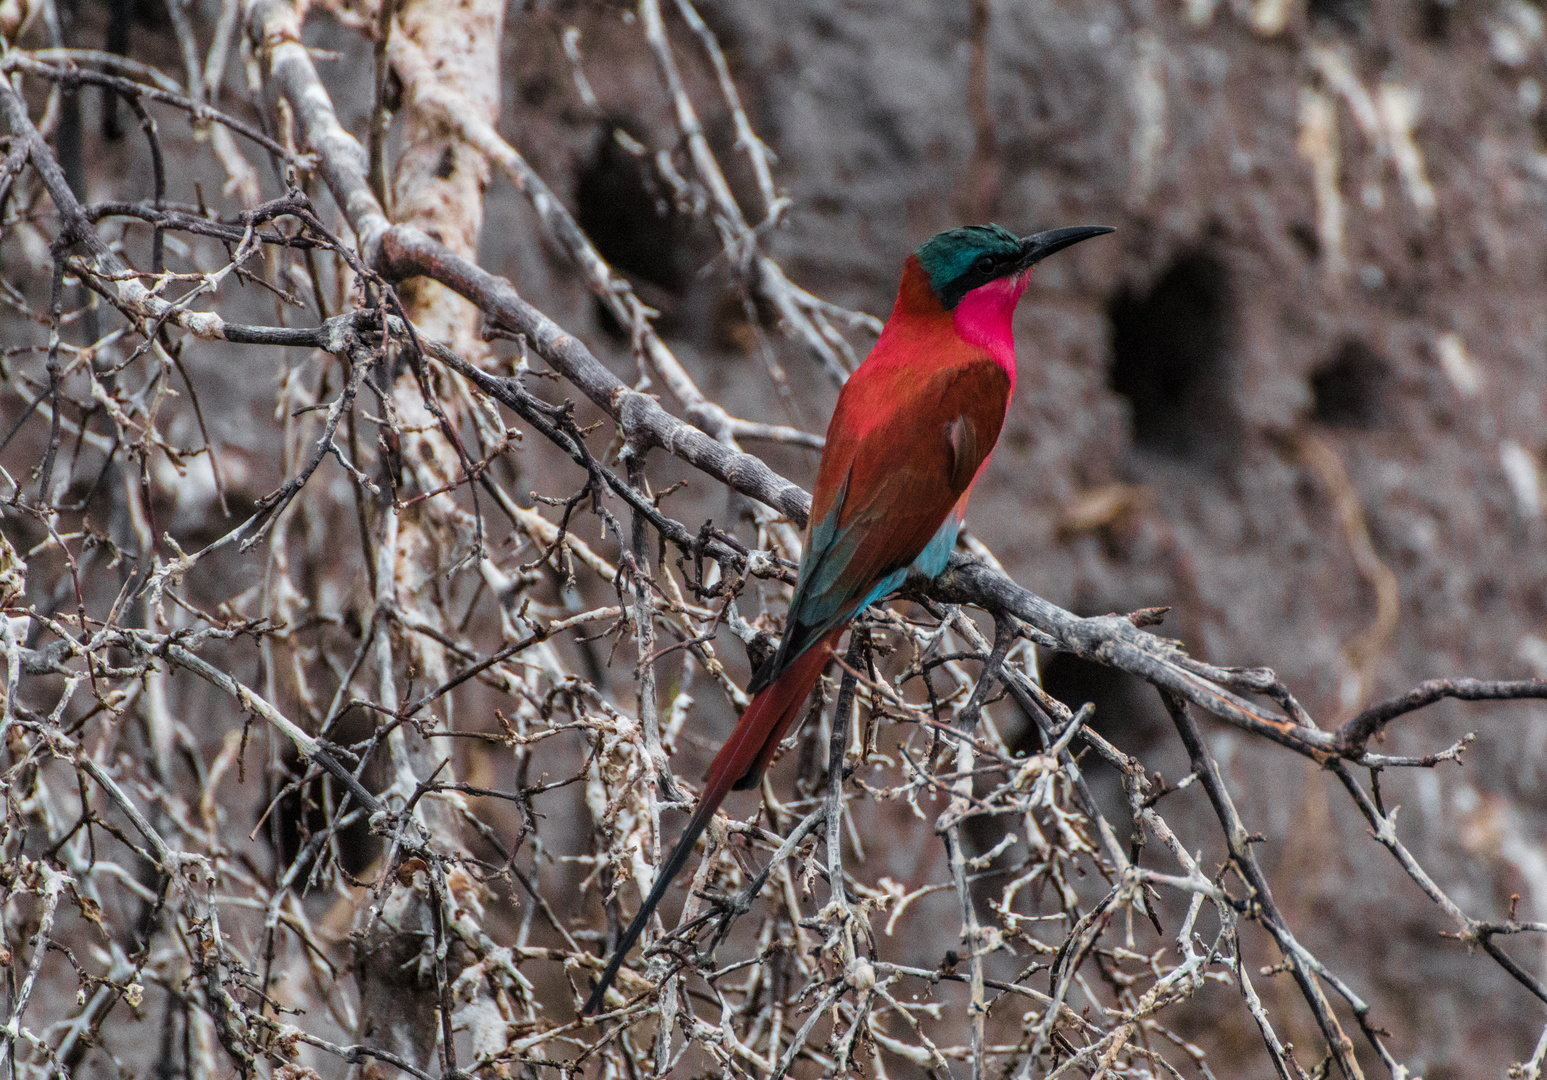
[{"x": 432, "y": 647}]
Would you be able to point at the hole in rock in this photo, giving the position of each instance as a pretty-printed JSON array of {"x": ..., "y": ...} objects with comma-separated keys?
[
  {"x": 1128, "y": 712},
  {"x": 1350, "y": 389},
  {"x": 304, "y": 812},
  {"x": 1171, "y": 359},
  {"x": 1434, "y": 18},
  {"x": 630, "y": 215}
]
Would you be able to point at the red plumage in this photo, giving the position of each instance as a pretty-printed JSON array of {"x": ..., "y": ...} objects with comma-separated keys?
[
  {"x": 913, "y": 427},
  {"x": 889, "y": 434}
]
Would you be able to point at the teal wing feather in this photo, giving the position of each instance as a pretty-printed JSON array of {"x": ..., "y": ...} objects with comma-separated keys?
[
  {"x": 824, "y": 598},
  {"x": 896, "y": 506}
]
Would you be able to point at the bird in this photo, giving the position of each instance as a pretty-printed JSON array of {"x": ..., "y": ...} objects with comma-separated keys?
[{"x": 912, "y": 431}]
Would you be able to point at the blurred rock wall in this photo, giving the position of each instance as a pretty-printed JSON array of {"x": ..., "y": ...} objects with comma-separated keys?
[{"x": 1299, "y": 396}]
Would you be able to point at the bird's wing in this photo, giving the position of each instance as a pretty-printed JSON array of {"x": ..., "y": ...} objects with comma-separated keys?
[{"x": 902, "y": 450}]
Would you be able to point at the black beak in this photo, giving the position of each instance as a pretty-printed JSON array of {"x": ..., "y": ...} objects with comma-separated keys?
[{"x": 1038, "y": 246}]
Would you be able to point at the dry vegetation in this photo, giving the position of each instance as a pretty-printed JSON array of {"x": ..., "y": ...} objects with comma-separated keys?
[{"x": 369, "y": 775}]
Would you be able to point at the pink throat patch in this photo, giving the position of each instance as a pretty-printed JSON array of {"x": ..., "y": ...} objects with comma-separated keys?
[{"x": 985, "y": 317}]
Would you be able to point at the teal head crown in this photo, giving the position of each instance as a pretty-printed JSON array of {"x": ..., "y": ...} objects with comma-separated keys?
[{"x": 959, "y": 260}]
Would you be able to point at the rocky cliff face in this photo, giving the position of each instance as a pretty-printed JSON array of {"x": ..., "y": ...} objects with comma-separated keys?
[{"x": 1300, "y": 396}]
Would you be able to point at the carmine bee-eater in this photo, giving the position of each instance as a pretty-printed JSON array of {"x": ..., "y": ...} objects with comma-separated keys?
[{"x": 912, "y": 430}]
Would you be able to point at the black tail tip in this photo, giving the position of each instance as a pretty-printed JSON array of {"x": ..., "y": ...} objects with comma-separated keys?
[
  {"x": 594, "y": 1003},
  {"x": 752, "y": 778}
]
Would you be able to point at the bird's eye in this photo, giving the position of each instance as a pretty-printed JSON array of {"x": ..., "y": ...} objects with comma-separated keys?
[{"x": 985, "y": 263}]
